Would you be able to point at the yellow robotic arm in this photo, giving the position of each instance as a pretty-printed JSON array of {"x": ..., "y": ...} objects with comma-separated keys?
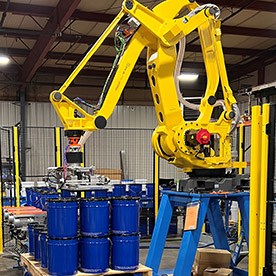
[{"x": 187, "y": 145}]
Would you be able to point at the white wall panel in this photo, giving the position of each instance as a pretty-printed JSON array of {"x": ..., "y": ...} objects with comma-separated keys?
[{"x": 9, "y": 113}]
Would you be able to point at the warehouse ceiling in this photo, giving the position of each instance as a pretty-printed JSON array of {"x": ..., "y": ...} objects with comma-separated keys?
[{"x": 46, "y": 39}]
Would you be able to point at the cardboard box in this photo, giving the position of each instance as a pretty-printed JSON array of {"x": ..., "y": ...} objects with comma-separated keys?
[
  {"x": 111, "y": 173},
  {"x": 210, "y": 257},
  {"x": 209, "y": 271}
]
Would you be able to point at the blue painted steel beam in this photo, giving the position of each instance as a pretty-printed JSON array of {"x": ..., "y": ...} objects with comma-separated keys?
[
  {"x": 244, "y": 210},
  {"x": 190, "y": 241},
  {"x": 159, "y": 234},
  {"x": 216, "y": 225}
]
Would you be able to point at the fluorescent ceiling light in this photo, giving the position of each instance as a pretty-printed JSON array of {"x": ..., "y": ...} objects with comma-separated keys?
[
  {"x": 188, "y": 77},
  {"x": 4, "y": 60}
]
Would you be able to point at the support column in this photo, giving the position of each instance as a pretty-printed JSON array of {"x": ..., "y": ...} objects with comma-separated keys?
[
  {"x": 22, "y": 96},
  {"x": 255, "y": 190},
  {"x": 263, "y": 188}
]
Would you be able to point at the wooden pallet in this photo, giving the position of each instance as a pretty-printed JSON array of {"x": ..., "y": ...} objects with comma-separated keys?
[{"x": 35, "y": 269}]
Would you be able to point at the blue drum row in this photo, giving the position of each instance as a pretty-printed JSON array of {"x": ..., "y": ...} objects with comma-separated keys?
[
  {"x": 37, "y": 196},
  {"x": 133, "y": 190},
  {"x": 91, "y": 251},
  {"x": 91, "y": 254},
  {"x": 118, "y": 191}
]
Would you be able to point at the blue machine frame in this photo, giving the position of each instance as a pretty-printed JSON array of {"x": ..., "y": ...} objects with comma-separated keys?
[{"x": 209, "y": 205}]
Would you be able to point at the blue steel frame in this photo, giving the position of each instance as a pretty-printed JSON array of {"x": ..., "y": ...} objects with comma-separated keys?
[{"x": 209, "y": 205}]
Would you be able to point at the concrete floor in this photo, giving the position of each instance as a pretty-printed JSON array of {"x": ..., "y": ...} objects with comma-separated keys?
[{"x": 7, "y": 261}]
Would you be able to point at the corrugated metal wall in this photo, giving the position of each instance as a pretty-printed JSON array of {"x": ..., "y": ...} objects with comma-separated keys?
[{"x": 102, "y": 148}]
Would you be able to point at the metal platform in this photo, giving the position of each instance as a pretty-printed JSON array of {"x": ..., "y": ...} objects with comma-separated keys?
[{"x": 209, "y": 206}]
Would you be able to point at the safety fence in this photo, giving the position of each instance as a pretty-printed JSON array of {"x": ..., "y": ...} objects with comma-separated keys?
[{"x": 43, "y": 147}]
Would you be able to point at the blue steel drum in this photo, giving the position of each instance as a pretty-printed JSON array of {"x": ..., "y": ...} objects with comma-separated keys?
[
  {"x": 94, "y": 254},
  {"x": 101, "y": 193},
  {"x": 125, "y": 215},
  {"x": 44, "y": 196},
  {"x": 62, "y": 217},
  {"x": 149, "y": 190},
  {"x": 151, "y": 224},
  {"x": 135, "y": 190},
  {"x": 173, "y": 226},
  {"x": 119, "y": 190},
  {"x": 33, "y": 196},
  {"x": 43, "y": 248},
  {"x": 88, "y": 194},
  {"x": 94, "y": 216},
  {"x": 143, "y": 226},
  {"x": 28, "y": 196},
  {"x": 125, "y": 252},
  {"x": 65, "y": 193},
  {"x": 38, "y": 198},
  {"x": 62, "y": 256},
  {"x": 31, "y": 237},
  {"x": 36, "y": 230}
]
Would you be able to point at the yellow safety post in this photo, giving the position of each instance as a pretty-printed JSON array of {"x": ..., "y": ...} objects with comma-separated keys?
[
  {"x": 255, "y": 180},
  {"x": 1, "y": 221},
  {"x": 241, "y": 159},
  {"x": 241, "y": 146},
  {"x": 203, "y": 228},
  {"x": 239, "y": 223},
  {"x": 156, "y": 184},
  {"x": 263, "y": 188},
  {"x": 15, "y": 133},
  {"x": 82, "y": 164},
  {"x": 58, "y": 149}
]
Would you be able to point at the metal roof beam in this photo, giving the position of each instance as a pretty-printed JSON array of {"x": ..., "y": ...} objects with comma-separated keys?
[
  {"x": 89, "y": 40},
  {"x": 248, "y": 31},
  {"x": 263, "y": 60},
  {"x": 57, "y": 20}
]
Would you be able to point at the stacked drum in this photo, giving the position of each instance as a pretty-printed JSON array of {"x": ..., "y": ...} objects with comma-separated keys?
[
  {"x": 60, "y": 249},
  {"x": 62, "y": 245},
  {"x": 125, "y": 233},
  {"x": 94, "y": 230}
]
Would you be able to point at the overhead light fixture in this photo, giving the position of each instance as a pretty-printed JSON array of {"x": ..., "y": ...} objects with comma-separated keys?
[
  {"x": 188, "y": 77},
  {"x": 4, "y": 60}
]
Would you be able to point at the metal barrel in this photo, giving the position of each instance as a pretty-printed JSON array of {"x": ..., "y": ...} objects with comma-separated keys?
[
  {"x": 135, "y": 190},
  {"x": 94, "y": 254},
  {"x": 125, "y": 215},
  {"x": 125, "y": 252},
  {"x": 38, "y": 198},
  {"x": 36, "y": 229},
  {"x": 119, "y": 190},
  {"x": 88, "y": 194},
  {"x": 65, "y": 193},
  {"x": 62, "y": 256},
  {"x": 149, "y": 190},
  {"x": 34, "y": 196},
  {"x": 101, "y": 193},
  {"x": 44, "y": 196},
  {"x": 143, "y": 225},
  {"x": 151, "y": 223},
  {"x": 43, "y": 248},
  {"x": 31, "y": 237},
  {"x": 94, "y": 216},
  {"x": 28, "y": 196},
  {"x": 62, "y": 217}
]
